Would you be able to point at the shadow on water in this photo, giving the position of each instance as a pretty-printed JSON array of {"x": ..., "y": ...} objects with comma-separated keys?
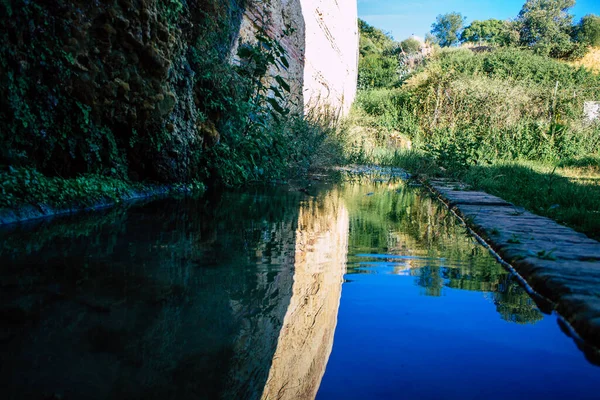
[{"x": 236, "y": 295}]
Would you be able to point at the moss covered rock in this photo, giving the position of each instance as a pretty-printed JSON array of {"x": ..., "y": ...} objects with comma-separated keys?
[{"x": 111, "y": 86}]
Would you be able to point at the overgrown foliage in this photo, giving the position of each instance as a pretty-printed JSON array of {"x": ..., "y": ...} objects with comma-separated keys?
[
  {"x": 145, "y": 93},
  {"x": 507, "y": 121},
  {"x": 378, "y": 61},
  {"x": 447, "y": 28},
  {"x": 20, "y": 186},
  {"x": 384, "y": 62},
  {"x": 470, "y": 108}
]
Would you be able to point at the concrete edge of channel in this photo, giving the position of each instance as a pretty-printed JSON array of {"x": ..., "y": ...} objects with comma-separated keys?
[{"x": 559, "y": 267}]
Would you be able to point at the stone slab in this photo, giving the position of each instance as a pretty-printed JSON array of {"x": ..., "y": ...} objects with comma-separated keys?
[{"x": 559, "y": 263}]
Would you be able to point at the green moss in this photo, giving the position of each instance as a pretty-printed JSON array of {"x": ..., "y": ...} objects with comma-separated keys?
[{"x": 19, "y": 186}]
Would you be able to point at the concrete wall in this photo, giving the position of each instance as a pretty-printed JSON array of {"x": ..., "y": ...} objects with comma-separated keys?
[{"x": 321, "y": 44}]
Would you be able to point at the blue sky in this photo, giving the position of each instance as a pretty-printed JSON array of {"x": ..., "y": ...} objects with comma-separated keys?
[{"x": 402, "y": 18}]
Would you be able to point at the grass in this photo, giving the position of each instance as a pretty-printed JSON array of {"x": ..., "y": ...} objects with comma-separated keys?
[{"x": 565, "y": 189}]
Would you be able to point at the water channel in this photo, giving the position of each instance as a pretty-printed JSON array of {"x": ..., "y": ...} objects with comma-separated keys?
[{"x": 366, "y": 288}]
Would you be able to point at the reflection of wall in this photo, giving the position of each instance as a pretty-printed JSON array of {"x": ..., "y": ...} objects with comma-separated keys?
[
  {"x": 306, "y": 338},
  {"x": 176, "y": 299}
]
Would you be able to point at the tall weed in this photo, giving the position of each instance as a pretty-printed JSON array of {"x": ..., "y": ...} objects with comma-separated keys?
[{"x": 465, "y": 109}]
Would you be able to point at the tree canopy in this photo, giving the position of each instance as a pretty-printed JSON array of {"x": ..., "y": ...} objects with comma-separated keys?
[
  {"x": 546, "y": 26},
  {"x": 378, "y": 61},
  {"x": 488, "y": 31},
  {"x": 447, "y": 28},
  {"x": 374, "y": 40},
  {"x": 410, "y": 46},
  {"x": 588, "y": 30}
]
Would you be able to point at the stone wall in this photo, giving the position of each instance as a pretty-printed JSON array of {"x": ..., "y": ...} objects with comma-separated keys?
[
  {"x": 331, "y": 64},
  {"x": 320, "y": 38},
  {"x": 119, "y": 88},
  {"x": 140, "y": 88},
  {"x": 282, "y": 20}
]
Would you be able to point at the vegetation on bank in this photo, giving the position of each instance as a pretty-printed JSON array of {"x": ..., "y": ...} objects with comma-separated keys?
[
  {"x": 506, "y": 120},
  {"x": 98, "y": 92},
  {"x": 19, "y": 186}
]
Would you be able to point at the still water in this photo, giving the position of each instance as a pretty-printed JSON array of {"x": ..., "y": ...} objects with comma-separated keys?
[{"x": 362, "y": 289}]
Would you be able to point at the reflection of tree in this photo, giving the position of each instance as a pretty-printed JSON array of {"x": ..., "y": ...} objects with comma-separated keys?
[
  {"x": 431, "y": 279},
  {"x": 397, "y": 220},
  {"x": 476, "y": 275},
  {"x": 514, "y": 304}
]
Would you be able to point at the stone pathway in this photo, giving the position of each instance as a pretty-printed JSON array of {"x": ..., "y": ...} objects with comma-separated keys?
[{"x": 558, "y": 263}]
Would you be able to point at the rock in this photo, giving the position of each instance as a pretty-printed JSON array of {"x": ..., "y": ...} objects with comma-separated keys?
[
  {"x": 155, "y": 62},
  {"x": 166, "y": 105},
  {"x": 209, "y": 134}
]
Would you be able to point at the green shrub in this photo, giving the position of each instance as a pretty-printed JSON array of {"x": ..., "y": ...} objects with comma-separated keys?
[
  {"x": 517, "y": 65},
  {"x": 587, "y": 31},
  {"x": 410, "y": 46},
  {"x": 378, "y": 61},
  {"x": 465, "y": 109}
]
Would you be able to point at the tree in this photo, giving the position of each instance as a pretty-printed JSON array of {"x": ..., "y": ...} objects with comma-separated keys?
[
  {"x": 378, "y": 61},
  {"x": 488, "y": 31},
  {"x": 587, "y": 31},
  {"x": 374, "y": 40},
  {"x": 546, "y": 26},
  {"x": 447, "y": 28},
  {"x": 410, "y": 46},
  {"x": 510, "y": 34}
]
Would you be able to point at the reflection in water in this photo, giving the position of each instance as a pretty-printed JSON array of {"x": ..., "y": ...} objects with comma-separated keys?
[
  {"x": 419, "y": 237},
  {"x": 430, "y": 314},
  {"x": 171, "y": 300},
  {"x": 306, "y": 337},
  {"x": 236, "y": 296}
]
